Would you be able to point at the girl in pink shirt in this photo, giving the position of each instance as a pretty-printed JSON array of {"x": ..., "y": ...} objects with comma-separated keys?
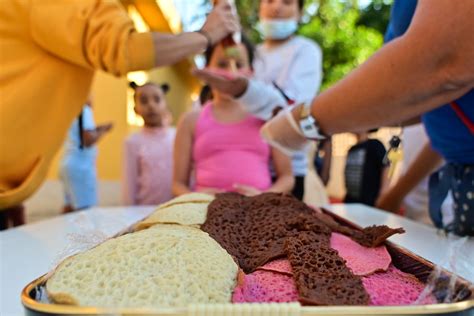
[
  {"x": 221, "y": 143},
  {"x": 149, "y": 153}
]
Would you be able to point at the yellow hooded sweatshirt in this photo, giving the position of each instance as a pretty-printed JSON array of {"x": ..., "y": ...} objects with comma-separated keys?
[{"x": 49, "y": 50}]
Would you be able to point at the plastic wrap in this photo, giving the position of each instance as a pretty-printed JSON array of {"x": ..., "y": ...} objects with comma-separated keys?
[
  {"x": 445, "y": 286},
  {"x": 88, "y": 233}
]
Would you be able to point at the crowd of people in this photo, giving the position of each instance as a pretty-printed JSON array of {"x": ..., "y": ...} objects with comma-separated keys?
[{"x": 258, "y": 110}]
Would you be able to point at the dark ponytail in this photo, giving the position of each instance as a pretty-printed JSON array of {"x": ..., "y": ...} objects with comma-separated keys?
[
  {"x": 133, "y": 85},
  {"x": 165, "y": 87}
]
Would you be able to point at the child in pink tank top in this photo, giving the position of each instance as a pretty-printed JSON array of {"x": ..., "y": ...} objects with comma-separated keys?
[{"x": 221, "y": 143}]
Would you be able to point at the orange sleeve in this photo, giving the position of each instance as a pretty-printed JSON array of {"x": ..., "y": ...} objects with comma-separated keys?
[{"x": 96, "y": 34}]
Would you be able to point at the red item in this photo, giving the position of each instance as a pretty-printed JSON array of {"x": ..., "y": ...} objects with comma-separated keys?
[
  {"x": 463, "y": 117},
  {"x": 231, "y": 39}
]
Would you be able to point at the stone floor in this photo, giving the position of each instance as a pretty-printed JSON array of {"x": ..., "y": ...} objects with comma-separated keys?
[{"x": 48, "y": 200}]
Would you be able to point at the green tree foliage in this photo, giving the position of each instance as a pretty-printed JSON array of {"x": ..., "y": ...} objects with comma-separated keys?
[
  {"x": 248, "y": 12},
  {"x": 347, "y": 34},
  {"x": 344, "y": 42},
  {"x": 376, "y": 15}
]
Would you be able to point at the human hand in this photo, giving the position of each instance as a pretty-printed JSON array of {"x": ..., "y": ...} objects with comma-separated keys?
[
  {"x": 233, "y": 84},
  {"x": 283, "y": 132},
  {"x": 246, "y": 190},
  {"x": 390, "y": 201},
  {"x": 221, "y": 22},
  {"x": 212, "y": 191},
  {"x": 104, "y": 128}
]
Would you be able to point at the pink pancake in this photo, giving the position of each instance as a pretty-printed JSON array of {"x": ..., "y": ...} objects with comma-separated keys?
[
  {"x": 361, "y": 260},
  {"x": 266, "y": 287},
  {"x": 279, "y": 266},
  {"x": 394, "y": 287}
]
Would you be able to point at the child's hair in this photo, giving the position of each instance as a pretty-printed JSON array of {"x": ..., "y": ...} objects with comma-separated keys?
[
  {"x": 245, "y": 41},
  {"x": 132, "y": 84},
  {"x": 205, "y": 94}
]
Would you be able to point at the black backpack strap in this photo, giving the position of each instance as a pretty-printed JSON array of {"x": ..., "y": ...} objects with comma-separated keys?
[
  {"x": 81, "y": 130},
  {"x": 288, "y": 100}
]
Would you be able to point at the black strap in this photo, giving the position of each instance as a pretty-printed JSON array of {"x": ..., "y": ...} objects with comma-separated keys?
[
  {"x": 288, "y": 100},
  {"x": 81, "y": 130}
]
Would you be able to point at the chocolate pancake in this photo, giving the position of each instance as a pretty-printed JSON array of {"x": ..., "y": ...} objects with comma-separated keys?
[
  {"x": 372, "y": 236},
  {"x": 321, "y": 276},
  {"x": 375, "y": 236},
  {"x": 254, "y": 229}
]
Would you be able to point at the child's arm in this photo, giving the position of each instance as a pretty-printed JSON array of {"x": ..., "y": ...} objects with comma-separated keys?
[
  {"x": 130, "y": 173},
  {"x": 385, "y": 174},
  {"x": 384, "y": 180},
  {"x": 91, "y": 137},
  {"x": 285, "y": 180},
  {"x": 327, "y": 161},
  {"x": 183, "y": 146}
]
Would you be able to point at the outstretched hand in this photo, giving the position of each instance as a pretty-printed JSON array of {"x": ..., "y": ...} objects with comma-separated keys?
[
  {"x": 212, "y": 191},
  {"x": 246, "y": 190},
  {"x": 104, "y": 128},
  {"x": 232, "y": 84}
]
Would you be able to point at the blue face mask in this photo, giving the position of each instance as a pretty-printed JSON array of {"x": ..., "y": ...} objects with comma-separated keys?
[{"x": 277, "y": 29}]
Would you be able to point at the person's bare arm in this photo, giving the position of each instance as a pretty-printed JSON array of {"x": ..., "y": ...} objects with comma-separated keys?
[
  {"x": 410, "y": 122},
  {"x": 183, "y": 147},
  {"x": 101, "y": 36},
  {"x": 384, "y": 180},
  {"x": 327, "y": 161},
  {"x": 431, "y": 65},
  {"x": 91, "y": 137},
  {"x": 425, "y": 163}
]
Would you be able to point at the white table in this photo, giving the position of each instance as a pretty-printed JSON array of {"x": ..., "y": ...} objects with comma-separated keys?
[{"x": 32, "y": 250}]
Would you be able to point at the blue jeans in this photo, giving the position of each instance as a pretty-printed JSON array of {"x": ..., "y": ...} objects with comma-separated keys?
[
  {"x": 79, "y": 176},
  {"x": 459, "y": 179}
]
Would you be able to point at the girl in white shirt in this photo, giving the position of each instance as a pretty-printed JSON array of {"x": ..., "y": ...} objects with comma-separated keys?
[{"x": 287, "y": 66}]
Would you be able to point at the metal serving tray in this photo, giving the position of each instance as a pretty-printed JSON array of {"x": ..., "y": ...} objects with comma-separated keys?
[{"x": 35, "y": 300}]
